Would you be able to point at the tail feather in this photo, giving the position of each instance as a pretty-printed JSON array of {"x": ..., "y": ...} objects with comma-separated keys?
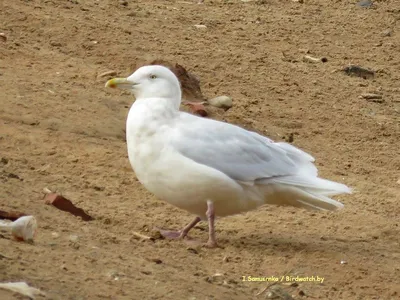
[
  {"x": 306, "y": 192},
  {"x": 318, "y": 202},
  {"x": 314, "y": 184}
]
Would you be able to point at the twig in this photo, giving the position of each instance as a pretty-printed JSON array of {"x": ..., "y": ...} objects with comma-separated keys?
[
  {"x": 266, "y": 288},
  {"x": 272, "y": 284},
  {"x": 142, "y": 236},
  {"x": 309, "y": 58},
  {"x": 3, "y": 256}
]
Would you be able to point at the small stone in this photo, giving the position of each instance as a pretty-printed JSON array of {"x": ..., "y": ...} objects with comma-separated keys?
[
  {"x": 224, "y": 102},
  {"x": 372, "y": 97},
  {"x": 156, "y": 260},
  {"x": 55, "y": 44},
  {"x": 113, "y": 274},
  {"x": 73, "y": 238},
  {"x": 146, "y": 272},
  {"x": 55, "y": 235},
  {"x": 193, "y": 250},
  {"x": 14, "y": 176},
  {"x": 99, "y": 188},
  {"x": 343, "y": 262},
  {"x": 199, "y": 26},
  {"x": 3, "y": 37},
  {"x": 156, "y": 235},
  {"x": 226, "y": 259},
  {"x": 365, "y": 3},
  {"x": 290, "y": 138},
  {"x": 387, "y": 32},
  {"x": 354, "y": 70}
]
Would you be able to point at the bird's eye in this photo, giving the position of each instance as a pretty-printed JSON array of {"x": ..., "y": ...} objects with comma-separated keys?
[{"x": 153, "y": 76}]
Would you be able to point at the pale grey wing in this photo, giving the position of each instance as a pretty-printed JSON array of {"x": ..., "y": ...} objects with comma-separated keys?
[{"x": 242, "y": 155}]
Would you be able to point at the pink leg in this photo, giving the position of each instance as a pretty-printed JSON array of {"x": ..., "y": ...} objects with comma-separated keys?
[
  {"x": 180, "y": 234},
  {"x": 212, "y": 243},
  {"x": 189, "y": 226}
]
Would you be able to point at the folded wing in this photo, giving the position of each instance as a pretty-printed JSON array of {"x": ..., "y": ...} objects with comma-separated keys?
[{"x": 240, "y": 154}]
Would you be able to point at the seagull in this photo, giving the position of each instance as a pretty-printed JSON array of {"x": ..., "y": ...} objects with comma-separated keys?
[{"x": 210, "y": 168}]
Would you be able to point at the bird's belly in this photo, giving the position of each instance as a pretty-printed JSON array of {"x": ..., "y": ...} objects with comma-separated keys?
[{"x": 188, "y": 185}]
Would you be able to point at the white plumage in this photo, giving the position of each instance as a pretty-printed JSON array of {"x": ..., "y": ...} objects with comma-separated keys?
[{"x": 212, "y": 168}]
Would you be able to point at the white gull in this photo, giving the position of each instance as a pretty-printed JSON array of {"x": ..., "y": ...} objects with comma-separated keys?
[{"x": 211, "y": 168}]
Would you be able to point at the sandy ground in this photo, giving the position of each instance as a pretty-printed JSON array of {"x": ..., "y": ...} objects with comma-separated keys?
[{"x": 61, "y": 129}]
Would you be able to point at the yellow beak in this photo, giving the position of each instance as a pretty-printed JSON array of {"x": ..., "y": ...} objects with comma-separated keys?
[{"x": 122, "y": 83}]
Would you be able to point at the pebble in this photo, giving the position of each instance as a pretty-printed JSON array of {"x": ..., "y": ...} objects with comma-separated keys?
[
  {"x": 193, "y": 250},
  {"x": 73, "y": 238},
  {"x": 372, "y": 97},
  {"x": 365, "y": 3},
  {"x": 157, "y": 261},
  {"x": 113, "y": 274},
  {"x": 217, "y": 277},
  {"x": 224, "y": 102},
  {"x": 3, "y": 37},
  {"x": 354, "y": 70},
  {"x": 199, "y": 26},
  {"x": 387, "y": 32}
]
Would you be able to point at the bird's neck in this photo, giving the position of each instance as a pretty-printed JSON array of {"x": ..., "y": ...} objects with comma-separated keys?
[
  {"x": 147, "y": 115},
  {"x": 148, "y": 121}
]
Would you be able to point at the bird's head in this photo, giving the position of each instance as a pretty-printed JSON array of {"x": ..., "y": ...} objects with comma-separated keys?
[{"x": 150, "y": 82}]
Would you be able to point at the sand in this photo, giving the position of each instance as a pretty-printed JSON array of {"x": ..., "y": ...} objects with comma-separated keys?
[{"x": 61, "y": 129}]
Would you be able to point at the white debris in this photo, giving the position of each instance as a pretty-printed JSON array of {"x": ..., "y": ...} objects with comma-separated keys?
[
  {"x": 21, "y": 288},
  {"x": 23, "y": 228}
]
